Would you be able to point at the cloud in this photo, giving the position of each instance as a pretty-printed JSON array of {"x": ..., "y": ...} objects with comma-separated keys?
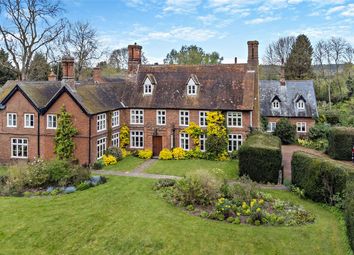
[
  {"x": 182, "y": 34},
  {"x": 261, "y": 20},
  {"x": 349, "y": 11},
  {"x": 335, "y": 9},
  {"x": 181, "y": 6}
]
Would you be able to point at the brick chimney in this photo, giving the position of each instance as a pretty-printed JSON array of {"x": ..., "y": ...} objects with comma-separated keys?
[
  {"x": 134, "y": 57},
  {"x": 67, "y": 63},
  {"x": 282, "y": 75},
  {"x": 252, "y": 53},
  {"x": 52, "y": 76},
  {"x": 96, "y": 75}
]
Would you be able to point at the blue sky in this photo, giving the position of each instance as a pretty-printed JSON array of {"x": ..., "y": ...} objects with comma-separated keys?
[{"x": 224, "y": 26}]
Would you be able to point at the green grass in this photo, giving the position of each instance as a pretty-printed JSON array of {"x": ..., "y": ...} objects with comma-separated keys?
[
  {"x": 126, "y": 165},
  {"x": 182, "y": 167},
  {"x": 3, "y": 170},
  {"x": 125, "y": 216}
]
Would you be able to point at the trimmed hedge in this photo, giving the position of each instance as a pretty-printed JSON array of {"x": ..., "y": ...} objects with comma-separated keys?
[
  {"x": 321, "y": 178},
  {"x": 349, "y": 211},
  {"x": 260, "y": 158},
  {"x": 340, "y": 141}
]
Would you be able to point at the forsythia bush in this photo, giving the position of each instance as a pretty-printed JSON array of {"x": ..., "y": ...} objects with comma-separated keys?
[
  {"x": 178, "y": 153},
  {"x": 109, "y": 160},
  {"x": 124, "y": 137},
  {"x": 125, "y": 153},
  {"x": 145, "y": 154},
  {"x": 165, "y": 154},
  {"x": 216, "y": 124},
  {"x": 194, "y": 132}
]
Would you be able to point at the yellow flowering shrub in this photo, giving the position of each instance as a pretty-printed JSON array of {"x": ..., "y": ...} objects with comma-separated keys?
[
  {"x": 145, "y": 154},
  {"x": 194, "y": 132},
  {"x": 223, "y": 156},
  {"x": 109, "y": 160},
  {"x": 124, "y": 137},
  {"x": 216, "y": 124},
  {"x": 178, "y": 153},
  {"x": 165, "y": 154},
  {"x": 125, "y": 153}
]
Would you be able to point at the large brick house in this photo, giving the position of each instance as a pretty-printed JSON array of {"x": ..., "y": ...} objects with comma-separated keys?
[{"x": 156, "y": 102}]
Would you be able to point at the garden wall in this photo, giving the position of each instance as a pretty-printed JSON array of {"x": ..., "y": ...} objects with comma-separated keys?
[{"x": 340, "y": 143}]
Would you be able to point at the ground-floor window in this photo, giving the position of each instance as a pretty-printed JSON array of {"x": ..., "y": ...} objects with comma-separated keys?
[
  {"x": 101, "y": 147},
  {"x": 137, "y": 139},
  {"x": 19, "y": 148},
  {"x": 301, "y": 127},
  {"x": 235, "y": 141},
  {"x": 184, "y": 141},
  {"x": 271, "y": 126},
  {"x": 115, "y": 139},
  {"x": 202, "y": 140}
]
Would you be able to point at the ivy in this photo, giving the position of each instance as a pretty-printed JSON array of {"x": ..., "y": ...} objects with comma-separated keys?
[{"x": 124, "y": 137}]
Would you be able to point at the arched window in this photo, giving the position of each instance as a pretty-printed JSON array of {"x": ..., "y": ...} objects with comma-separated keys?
[
  {"x": 276, "y": 104},
  {"x": 300, "y": 104}
]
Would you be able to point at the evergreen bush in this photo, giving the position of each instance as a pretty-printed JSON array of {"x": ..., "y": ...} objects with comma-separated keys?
[
  {"x": 341, "y": 140},
  {"x": 285, "y": 131}
]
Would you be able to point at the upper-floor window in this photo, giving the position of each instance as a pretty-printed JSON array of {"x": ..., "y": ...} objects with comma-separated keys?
[
  {"x": 137, "y": 116},
  {"x": 115, "y": 119},
  {"x": 301, "y": 127},
  {"x": 300, "y": 104},
  {"x": 101, "y": 122},
  {"x": 234, "y": 119},
  {"x": 29, "y": 120},
  {"x": 184, "y": 118},
  {"x": 11, "y": 120},
  {"x": 191, "y": 88},
  {"x": 276, "y": 104},
  {"x": 148, "y": 87},
  {"x": 203, "y": 118},
  {"x": 161, "y": 117},
  {"x": 51, "y": 121}
]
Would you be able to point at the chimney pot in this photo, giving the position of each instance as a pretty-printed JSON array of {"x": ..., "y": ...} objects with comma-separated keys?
[
  {"x": 252, "y": 53},
  {"x": 97, "y": 75},
  {"x": 134, "y": 57},
  {"x": 52, "y": 76},
  {"x": 235, "y": 60},
  {"x": 282, "y": 75},
  {"x": 67, "y": 63}
]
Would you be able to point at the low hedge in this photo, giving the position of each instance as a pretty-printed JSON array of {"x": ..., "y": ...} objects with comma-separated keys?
[
  {"x": 349, "y": 211},
  {"x": 260, "y": 158},
  {"x": 340, "y": 142},
  {"x": 321, "y": 178}
]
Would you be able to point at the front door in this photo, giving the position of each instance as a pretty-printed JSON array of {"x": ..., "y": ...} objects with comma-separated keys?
[{"x": 156, "y": 145}]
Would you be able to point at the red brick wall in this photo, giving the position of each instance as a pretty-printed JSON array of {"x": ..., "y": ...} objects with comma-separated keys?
[{"x": 309, "y": 123}]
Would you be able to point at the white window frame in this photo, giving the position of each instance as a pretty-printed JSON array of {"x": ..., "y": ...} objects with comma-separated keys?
[
  {"x": 137, "y": 116},
  {"x": 301, "y": 127},
  {"x": 300, "y": 104},
  {"x": 202, "y": 142},
  {"x": 28, "y": 120},
  {"x": 184, "y": 141},
  {"x": 271, "y": 126},
  {"x": 203, "y": 118},
  {"x": 276, "y": 104},
  {"x": 148, "y": 87},
  {"x": 191, "y": 88},
  {"x": 52, "y": 121},
  {"x": 115, "y": 139},
  {"x": 115, "y": 118},
  {"x": 137, "y": 139},
  {"x": 101, "y": 122},
  {"x": 11, "y": 119},
  {"x": 234, "y": 142},
  {"x": 183, "y": 118},
  {"x": 234, "y": 119},
  {"x": 19, "y": 143},
  {"x": 161, "y": 117},
  {"x": 101, "y": 146}
]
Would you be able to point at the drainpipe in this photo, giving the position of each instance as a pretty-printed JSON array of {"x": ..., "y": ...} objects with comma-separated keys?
[
  {"x": 89, "y": 139},
  {"x": 38, "y": 135}
]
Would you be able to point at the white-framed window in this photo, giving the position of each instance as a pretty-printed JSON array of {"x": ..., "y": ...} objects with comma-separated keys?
[
  {"x": 137, "y": 139},
  {"x": 115, "y": 119},
  {"x": 11, "y": 120},
  {"x": 271, "y": 126},
  {"x": 148, "y": 87},
  {"x": 191, "y": 88},
  {"x": 202, "y": 142},
  {"x": 234, "y": 119},
  {"x": 235, "y": 142},
  {"x": 101, "y": 147},
  {"x": 29, "y": 120},
  {"x": 52, "y": 121},
  {"x": 203, "y": 118},
  {"x": 184, "y": 118},
  {"x": 137, "y": 116},
  {"x": 101, "y": 122},
  {"x": 301, "y": 127},
  {"x": 300, "y": 104},
  {"x": 115, "y": 139},
  {"x": 19, "y": 148},
  {"x": 160, "y": 117},
  {"x": 276, "y": 104},
  {"x": 184, "y": 141}
]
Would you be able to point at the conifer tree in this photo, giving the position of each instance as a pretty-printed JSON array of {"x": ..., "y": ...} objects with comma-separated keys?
[
  {"x": 298, "y": 66},
  {"x": 64, "y": 143}
]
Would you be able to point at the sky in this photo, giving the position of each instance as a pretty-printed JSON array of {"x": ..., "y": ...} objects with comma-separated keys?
[{"x": 224, "y": 26}]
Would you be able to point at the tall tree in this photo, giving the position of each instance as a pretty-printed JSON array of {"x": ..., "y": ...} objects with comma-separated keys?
[
  {"x": 320, "y": 55},
  {"x": 26, "y": 26},
  {"x": 192, "y": 55},
  {"x": 39, "y": 68},
  {"x": 119, "y": 59},
  {"x": 7, "y": 71},
  {"x": 298, "y": 66},
  {"x": 277, "y": 53}
]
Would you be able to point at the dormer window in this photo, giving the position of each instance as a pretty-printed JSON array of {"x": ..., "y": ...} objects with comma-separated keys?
[
  {"x": 149, "y": 84},
  {"x": 300, "y": 105},
  {"x": 276, "y": 104},
  {"x": 192, "y": 85}
]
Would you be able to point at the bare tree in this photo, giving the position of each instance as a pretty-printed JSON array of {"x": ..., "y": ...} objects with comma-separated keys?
[
  {"x": 28, "y": 26},
  {"x": 349, "y": 54},
  {"x": 338, "y": 46},
  {"x": 277, "y": 53},
  {"x": 119, "y": 58},
  {"x": 320, "y": 55}
]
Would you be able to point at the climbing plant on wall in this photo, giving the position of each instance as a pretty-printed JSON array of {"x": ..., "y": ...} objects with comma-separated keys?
[
  {"x": 216, "y": 143},
  {"x": 194, "y": 131},
  {"x": 124, "y": 137}
]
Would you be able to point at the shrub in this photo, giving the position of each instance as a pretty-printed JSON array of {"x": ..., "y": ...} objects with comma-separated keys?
[
  {"x": 37, "y": 174},
  {"x": 163, "y": 183},
  {"x": 165, "y": 154},
  {"x": 145, "y": 154},
  {"x": 58, "y": 170},
  {"x": 216, "y": 142},
  {"x": 116, "y": 152},
  {"x": 215, "y": 146},
  {"x": 109, "y": 160},
  {"x": 319, "y": 131},
  {"x": 234, "y": 155},
  {"x": 98, "y": 165},
  {"x": 285, "y": 131},
  {"x": 349, "y": 211},
  {"x": 340, "y": 143},
  {"x": 321, "y": 178},
  {"x": 125, "y": 153},
  {"x": 124, "y": 137},
  {"x": 178, "y": 153},
  {"x": 320, "y": 144},
  {"x": 332, "y": 117},
  {"x": 195, "y": 154},
  {"x": 84, "y": 185},
  {"x": 17, "y": 179},
  {"x": 260, "y": 158}
]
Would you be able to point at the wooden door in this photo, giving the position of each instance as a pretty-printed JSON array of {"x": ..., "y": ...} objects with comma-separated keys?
[{"x": 156, "y": 145}]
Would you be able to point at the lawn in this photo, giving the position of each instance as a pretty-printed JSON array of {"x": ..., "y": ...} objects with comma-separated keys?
[
  {"x": 3, "y": 170},
  {"x": 181, "y": 167},
  {"x": 125, "y": 216},
  {"x": 126, "y": 165}
]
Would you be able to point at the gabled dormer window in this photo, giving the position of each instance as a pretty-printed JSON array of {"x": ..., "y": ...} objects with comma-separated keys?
[
  {"x": 149, "y": 84},
  {"x": 300, "y": 104},
  {"x": 192, "y": 85},
  {"x": 275, "y": 103}
]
